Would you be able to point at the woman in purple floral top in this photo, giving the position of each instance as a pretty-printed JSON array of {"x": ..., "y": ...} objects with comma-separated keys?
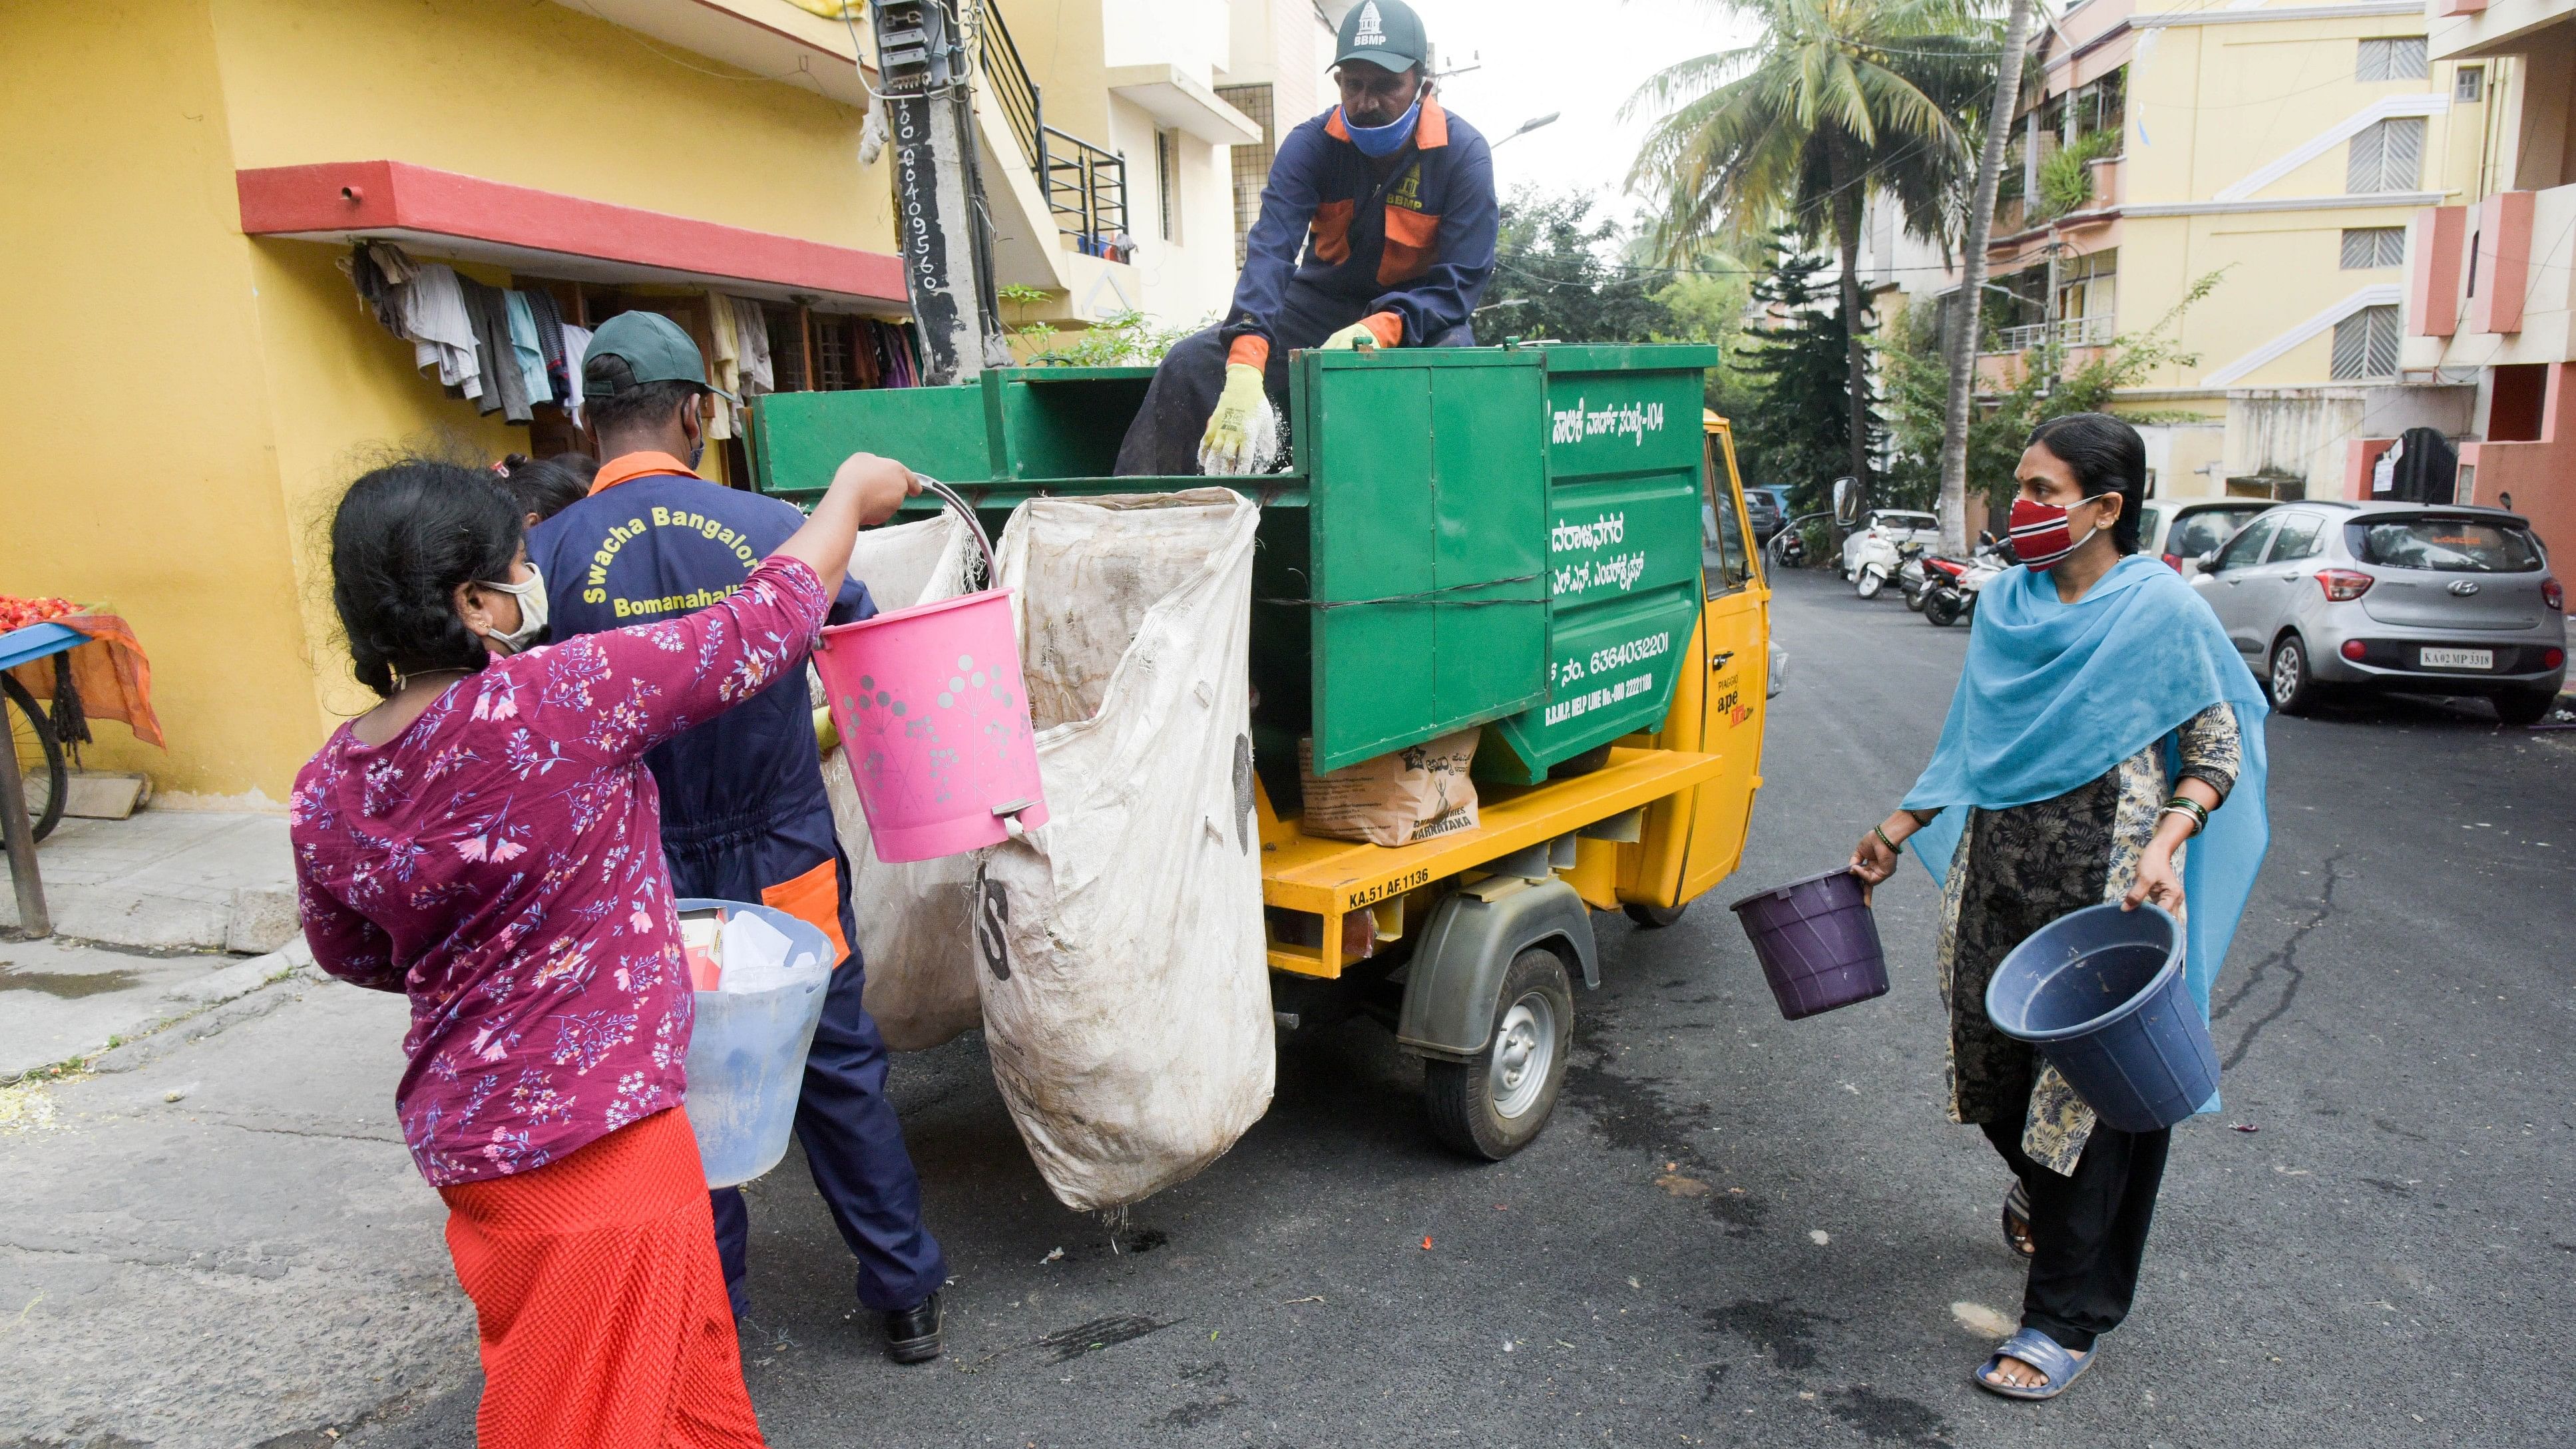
[{"x": 487, "y": 841}]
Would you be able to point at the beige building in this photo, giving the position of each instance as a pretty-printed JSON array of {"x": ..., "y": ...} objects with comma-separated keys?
[
  {"x": 2284, "y": 149},
  {"x": 2489, "y": 302}
]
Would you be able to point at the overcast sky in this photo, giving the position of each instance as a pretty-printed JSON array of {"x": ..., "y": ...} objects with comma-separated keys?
[{"x": 1581, "y": 57}]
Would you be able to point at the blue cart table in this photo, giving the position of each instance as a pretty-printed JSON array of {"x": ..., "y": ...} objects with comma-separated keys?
[{"x": 26, "y": 646}]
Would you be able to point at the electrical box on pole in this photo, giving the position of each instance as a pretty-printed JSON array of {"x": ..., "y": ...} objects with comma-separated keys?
[{"x": 925, "y": 63}]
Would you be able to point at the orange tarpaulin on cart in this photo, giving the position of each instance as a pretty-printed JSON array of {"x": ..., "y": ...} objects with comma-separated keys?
[{"x": 110, "y": 672}]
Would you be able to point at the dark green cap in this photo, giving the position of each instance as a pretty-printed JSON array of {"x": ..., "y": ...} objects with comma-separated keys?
[
  {"x": 1383, "y": 32},
  {"x": 634, "y": 348}
]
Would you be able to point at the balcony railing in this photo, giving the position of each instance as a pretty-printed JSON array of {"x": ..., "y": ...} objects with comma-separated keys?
[
  {"x": 1084, "y": 185},
  {"x": 2065, "y": 332}
]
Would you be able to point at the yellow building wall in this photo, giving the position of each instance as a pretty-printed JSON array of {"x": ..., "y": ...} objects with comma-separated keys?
[
  {"x": 2209, "y": 106},
  {"x": 541, "y": 95},
  {"x": 143, "y": 463},
  {"x": 197, "y": 399}
]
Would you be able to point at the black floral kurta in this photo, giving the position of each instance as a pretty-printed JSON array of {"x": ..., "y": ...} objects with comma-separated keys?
[{"x": 2021, "y": 867}]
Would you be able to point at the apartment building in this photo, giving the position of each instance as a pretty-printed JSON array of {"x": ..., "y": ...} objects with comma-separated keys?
[
  {"x": 188, "y": 178},
  {"x": 2282, "y": 149},
  {"x": 2488, "y": 304}
]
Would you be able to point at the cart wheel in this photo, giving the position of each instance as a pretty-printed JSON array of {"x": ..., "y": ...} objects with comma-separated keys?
[
  {"x": 40, "y": 757},
  {"x": 1654, "y": 918},
  {"x": 1494, "y": 1105}
]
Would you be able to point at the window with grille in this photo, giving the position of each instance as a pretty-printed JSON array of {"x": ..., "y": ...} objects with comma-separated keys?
[
  {"x": 2386, "y": 156},
  {"x": 2399, "y": 57},
  {"x": 2374, "y": 246},
  {"x": 2469, "y": 86},
  {"x": 2365, "y": 344},
  {"x": 1167, "y": 183},
  {"x": 1250, "y": 164}
]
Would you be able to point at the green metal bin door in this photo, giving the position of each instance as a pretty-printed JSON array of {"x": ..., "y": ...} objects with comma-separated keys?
[{"x": 1429, "y": 499}]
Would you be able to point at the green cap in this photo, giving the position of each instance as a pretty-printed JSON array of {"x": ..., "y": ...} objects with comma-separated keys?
[
  {"x": 1383, "y": 32},
  {"x": 634, "y": 348}
]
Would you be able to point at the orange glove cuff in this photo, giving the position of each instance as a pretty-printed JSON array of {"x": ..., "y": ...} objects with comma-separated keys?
[
  {"x": 1388, "y": 326},
  {"x": 1249, "y": 350}
]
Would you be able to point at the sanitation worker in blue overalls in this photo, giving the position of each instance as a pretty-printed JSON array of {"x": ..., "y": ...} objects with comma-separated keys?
[
  {"x": 744, "y": 816},
  {"x": 1391, "y": 200}
]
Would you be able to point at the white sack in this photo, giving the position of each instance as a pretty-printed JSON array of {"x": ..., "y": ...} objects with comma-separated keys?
[
  {"x": 915, "y": 920},
  {"x": 1126, "y": 990}
]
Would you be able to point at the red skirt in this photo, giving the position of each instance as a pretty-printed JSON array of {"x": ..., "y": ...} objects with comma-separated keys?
[{"x": 600, "y": 1302}]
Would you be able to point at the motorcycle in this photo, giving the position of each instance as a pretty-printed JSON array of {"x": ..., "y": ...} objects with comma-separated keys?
[{"x": 1952, "y": 586}]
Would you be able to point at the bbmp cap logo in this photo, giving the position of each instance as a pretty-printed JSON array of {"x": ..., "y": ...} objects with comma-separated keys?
[{"x": 1372, "y": 30}]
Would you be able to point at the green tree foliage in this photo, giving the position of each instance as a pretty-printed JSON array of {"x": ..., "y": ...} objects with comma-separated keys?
[
  {"x": 1791, "y": 411},
  {"x": 1837, "y": 100},
  {"x": 1557, "y": 274},
  {"x": 1917, "y": 385}
]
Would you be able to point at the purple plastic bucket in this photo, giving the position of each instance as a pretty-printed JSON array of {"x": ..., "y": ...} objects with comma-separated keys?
[{"x": 1817, "y": 941}]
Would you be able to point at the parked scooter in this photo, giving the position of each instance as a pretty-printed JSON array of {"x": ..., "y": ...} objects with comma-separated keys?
[
  {"x": 1914, "y": 576},
  {"x": 1876, "y": 561},
  {"x": 1952, "y": 595}
]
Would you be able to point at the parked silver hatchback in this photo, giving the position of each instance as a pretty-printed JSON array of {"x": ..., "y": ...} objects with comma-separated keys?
[{"x": 2393, "y": 597}]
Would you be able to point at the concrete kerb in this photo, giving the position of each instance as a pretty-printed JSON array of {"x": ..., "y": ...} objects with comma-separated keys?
[{"x": 204, "y": 1007}]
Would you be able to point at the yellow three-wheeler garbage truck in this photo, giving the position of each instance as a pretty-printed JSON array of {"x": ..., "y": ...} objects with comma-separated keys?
[{"x": 1547, "y": 543}]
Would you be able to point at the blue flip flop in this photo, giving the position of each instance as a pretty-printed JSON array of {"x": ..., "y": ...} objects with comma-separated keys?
[{"x": 2042, "y": 1353}]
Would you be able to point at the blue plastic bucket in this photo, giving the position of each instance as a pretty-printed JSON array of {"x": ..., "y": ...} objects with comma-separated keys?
[
  {"x": 2100, "y": 992},
  {"x": 1817, "y": 942},
  {"x": 747, "y": 1055}
]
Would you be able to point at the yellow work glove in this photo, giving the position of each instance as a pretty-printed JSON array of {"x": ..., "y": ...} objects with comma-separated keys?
[
  {"x": 1358, "y": 334},
  {"x": 1226, "y": 447}
]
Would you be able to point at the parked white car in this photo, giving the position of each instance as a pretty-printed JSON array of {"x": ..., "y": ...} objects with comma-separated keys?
[{"x": 1891, "y": 526}]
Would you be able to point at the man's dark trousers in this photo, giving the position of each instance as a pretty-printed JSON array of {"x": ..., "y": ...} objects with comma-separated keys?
[
  {"x": 1163, "y": 442},
  {"x": 854, "y": 1145}
]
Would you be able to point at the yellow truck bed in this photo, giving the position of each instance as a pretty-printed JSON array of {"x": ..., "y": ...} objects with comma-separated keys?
[{"x": 1332, "y": 878}]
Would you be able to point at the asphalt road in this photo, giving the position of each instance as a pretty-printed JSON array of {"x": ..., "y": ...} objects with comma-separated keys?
[{"x": 1745, "y": 1231}]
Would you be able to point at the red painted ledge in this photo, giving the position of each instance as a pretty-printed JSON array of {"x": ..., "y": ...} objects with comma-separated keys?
[{"x": 545, "y": 231}]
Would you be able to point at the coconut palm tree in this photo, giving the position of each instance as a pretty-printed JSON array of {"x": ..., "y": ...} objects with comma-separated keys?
[{"x": 1837, "y": 100}]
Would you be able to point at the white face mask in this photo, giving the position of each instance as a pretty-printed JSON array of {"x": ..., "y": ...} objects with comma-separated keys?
[{"x": 531, "y": 595}]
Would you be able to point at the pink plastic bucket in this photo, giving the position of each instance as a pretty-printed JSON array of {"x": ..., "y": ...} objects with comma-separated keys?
[{"x": 930, "y": 706}]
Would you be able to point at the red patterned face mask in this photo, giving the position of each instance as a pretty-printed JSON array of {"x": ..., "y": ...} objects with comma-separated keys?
[{"x": 2040, "y": 536}]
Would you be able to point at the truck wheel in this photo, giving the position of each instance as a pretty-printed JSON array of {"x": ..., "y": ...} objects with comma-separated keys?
[
  {"x": 1494, "y": 1105},
  {"x": 1654, "y": 918}
]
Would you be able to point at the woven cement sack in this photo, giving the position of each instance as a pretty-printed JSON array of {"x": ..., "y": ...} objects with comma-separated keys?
[
  {"x": 1125, "y": 984},
  {"x": 915, "y": 920}
]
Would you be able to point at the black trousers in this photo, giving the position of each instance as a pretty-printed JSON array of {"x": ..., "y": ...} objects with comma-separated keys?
[
  {"x": 1163, "y": 441},
  {"x": 2090, "y": 1229}
]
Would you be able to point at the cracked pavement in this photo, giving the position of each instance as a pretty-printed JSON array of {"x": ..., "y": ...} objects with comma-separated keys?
[{"x": 257, "y": 1263}]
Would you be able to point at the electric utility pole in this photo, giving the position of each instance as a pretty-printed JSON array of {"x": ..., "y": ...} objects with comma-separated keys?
[{"x": 940, "y": 215}]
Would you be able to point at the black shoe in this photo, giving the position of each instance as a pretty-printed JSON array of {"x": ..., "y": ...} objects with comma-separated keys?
[{"x": 912, "y": 1334}]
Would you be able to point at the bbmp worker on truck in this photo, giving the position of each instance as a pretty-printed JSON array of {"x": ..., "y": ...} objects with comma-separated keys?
[{"x": 1391, "y": 199}]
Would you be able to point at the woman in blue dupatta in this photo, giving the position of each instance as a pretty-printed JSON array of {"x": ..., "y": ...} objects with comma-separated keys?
[{"x": 2103, "y": 720}]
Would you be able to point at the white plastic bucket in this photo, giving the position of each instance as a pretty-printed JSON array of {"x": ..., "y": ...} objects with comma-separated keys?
[{"x": 747, "y": 1055}]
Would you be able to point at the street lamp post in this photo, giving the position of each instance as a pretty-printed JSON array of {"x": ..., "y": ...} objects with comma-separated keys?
[{"x": 1532, "y": 124}]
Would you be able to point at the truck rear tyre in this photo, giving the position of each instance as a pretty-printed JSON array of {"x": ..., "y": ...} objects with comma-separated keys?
[
  {"x": 1653, "y": 918},
  {"x": 1494, "y": 1104}
]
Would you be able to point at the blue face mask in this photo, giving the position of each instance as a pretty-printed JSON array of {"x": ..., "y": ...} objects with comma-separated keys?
[{"x": 1388, "y": 139}]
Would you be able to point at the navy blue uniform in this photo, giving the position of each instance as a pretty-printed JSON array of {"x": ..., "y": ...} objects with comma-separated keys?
[
  {"x": 744, "y": 818},
  {"x": 1340, "y": 238}
]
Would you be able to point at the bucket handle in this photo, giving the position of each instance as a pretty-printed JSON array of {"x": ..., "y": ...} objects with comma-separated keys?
[{"x": 974, "y": 525}]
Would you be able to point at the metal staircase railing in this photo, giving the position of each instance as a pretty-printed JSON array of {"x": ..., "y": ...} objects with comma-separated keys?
[{"x": 1084, "y": 185}]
